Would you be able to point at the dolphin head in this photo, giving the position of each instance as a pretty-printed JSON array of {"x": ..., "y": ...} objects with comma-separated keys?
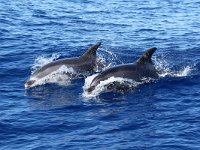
[
  {"x": 90, "y": 89},
  {"x": 29, "y": 83}
]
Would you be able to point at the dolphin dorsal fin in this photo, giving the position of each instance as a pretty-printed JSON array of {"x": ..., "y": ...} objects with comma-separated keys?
[
  {"x": 146, "y": 57},
  {"x": 92, "y": 50}
]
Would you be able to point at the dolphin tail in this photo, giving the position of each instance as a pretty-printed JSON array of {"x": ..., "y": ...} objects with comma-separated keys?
[
  {"x": 146, "y": 57},
  {"x": 92, "y": 50}
]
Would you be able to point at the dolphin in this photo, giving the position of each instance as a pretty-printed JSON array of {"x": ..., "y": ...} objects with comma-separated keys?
[
  {"x": 83, "y": 64},
  {"x": 143, "y": 68}
]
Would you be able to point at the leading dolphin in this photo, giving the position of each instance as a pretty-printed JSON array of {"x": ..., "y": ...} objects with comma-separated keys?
[
  {"x": 143, "y": 68},
  {"x": 82, "y": 64}
]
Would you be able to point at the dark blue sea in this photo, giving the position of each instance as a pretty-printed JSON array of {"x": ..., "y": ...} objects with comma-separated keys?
[{"x": 161, "y": 115}]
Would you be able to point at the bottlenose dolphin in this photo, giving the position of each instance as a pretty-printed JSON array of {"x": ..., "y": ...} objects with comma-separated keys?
[
  {"x": 143, "y": 68},
  {"x": 82, "y": 64}
]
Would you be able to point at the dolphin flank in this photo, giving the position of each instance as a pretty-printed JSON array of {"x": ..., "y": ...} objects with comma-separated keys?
[{"x": 82, "y": 64}]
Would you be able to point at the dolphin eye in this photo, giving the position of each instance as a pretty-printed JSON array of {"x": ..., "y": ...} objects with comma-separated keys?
[{"x": 30, "y": 82}]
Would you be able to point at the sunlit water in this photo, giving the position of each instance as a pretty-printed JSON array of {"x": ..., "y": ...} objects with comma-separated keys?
[{"x": 161, "y": 114}]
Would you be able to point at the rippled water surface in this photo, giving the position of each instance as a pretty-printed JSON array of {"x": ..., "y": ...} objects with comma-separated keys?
[{"x": 160, "y": 115}]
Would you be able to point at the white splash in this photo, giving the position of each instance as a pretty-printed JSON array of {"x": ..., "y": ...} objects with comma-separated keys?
[
  {"x": 62, "y": 76},
  {"x": 103, "y": 85},
  {"x": 42, "y": 60},
  {"x": 88, "y": 81},
  {"x": 182, "y": 73},
  {"x": 161, "y": 65},
  {"x": 185, "y": 72},
  {"x": 105, "y": 59},
  {"x": 164, "y": 69}
]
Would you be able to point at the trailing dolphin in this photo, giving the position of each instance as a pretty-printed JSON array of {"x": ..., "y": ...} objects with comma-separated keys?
[
  {"x": 83, "y": 64},
  {"x": 143, "y": 68}
]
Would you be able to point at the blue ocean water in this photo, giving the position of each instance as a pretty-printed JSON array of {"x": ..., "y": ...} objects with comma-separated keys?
[{"x": 161, "y": 115}]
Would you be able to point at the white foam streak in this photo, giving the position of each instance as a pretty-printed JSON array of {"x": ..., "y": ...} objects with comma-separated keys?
[
  {"x": 62, "y": 76},
  {"x": 102, "y": 86}
]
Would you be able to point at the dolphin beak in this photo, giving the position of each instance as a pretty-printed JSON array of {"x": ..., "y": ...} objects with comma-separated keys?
[{"x": 29, "y": 83}]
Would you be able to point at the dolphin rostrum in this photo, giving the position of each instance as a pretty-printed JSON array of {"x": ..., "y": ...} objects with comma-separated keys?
[
  {"x": 143, "y": 68},
  {"x": 82, "y": 64}
]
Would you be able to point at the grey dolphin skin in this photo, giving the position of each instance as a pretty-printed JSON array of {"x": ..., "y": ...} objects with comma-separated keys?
[
  {"x": 82, "y": 64},
  {"x": 135, "y": 71}
]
